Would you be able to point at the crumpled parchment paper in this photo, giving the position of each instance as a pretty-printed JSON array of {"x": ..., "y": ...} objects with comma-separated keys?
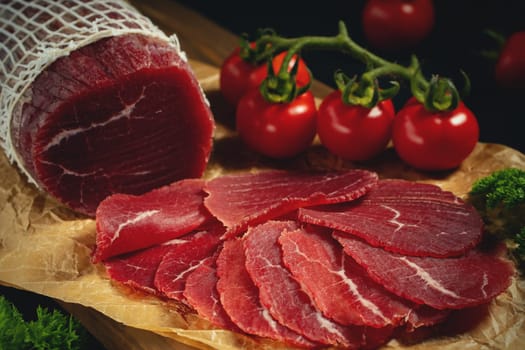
[{"x": 45, "y": 248}]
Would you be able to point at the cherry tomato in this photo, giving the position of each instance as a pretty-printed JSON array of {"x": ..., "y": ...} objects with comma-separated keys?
[
  {"x": 238, "y": 76},
  {"x": 397, "y": 24},
  {"x": 277, "y": 130},
  {"x": 510, "y": 67},
  {"x": 434, "y": 140},
  {"x": 353, "y": 132}
]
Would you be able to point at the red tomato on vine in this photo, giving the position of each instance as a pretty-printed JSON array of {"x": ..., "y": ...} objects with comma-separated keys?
[
  {"x": 510, "y": 66},
  {"x": 277, "y": 130},
  {"x": 434, "y": 140},
  {"x": 354, "y": 132},
  {"x": 237, "y": 76},
  {"x": 397, "y": 24}
]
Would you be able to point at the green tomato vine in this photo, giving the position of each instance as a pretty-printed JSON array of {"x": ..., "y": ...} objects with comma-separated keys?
[{"x": 437, "y": 93}]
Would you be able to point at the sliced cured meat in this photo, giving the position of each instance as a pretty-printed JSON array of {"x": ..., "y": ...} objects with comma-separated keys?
[
  {"x": 126, "y": 223},
  {"x": 425, "y": 316},
  {"x": 442, "y": 283},
  {"x": 241, "y": 200},
  {"x": 138, "y": 269},
  {"x": 282, "y": 295},
  {"x": 201, "y": 293},
  {"x": 179, "y": 261},
  {"x": 122, "y": 115},
  {"x": 405, "y": 217},
  {"x": 341, "y": 289},
  {"x": 240, "y": 298}
]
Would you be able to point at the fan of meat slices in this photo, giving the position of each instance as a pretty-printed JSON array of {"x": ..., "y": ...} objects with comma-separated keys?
[{"x": 308, "y": 259}]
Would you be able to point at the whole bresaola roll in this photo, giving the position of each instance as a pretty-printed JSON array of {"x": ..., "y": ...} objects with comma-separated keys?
[{"x": 96, "y": 100}]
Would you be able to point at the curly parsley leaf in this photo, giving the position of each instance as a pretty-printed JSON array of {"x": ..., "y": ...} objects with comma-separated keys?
[
  {"x": 12, "y": 327},
  {"x": 51, "y": 330}
]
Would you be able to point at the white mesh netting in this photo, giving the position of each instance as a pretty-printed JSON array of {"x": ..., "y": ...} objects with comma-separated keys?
[{"x": 33, "y": 34}]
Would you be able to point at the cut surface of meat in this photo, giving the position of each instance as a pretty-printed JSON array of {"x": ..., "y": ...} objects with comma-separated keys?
[
  {"x": 122, "y": 115},
  {"x": 178, "y": 262},
  {"x": 441, "y": 283},
  {"x": 240, "y": 298},
  {"x": 126, "y": 223},
  {"x": 201, "y": 293},
  {"x": 341, "y": 289},
  {"x": 280, "y": 293},
  {"x": 405, "y": 217},
  {"x": 241, "y": 200}
]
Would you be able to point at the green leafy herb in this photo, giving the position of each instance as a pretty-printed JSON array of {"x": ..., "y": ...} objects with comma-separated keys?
[
  {"x": 12, "y": 327},
  {"x": 500, "y": 199},
  {"x": 52, "y": 330}
]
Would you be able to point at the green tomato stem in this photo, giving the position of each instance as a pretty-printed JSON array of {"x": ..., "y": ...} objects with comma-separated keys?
[{"x": 342, "y": 42}]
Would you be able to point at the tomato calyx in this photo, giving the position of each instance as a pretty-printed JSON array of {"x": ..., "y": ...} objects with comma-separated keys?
[
  {"x": 438, "y": 96},
  {"x": 283, "y": 86},
  {"x": 280, "y": 85},
  {"x": 364, "y": 92}
]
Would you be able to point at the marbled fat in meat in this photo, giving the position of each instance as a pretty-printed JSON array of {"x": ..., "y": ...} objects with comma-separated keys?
[
  {"x": 240, "y": 298},
  {"x": 282, "y": 295},
  {"x": 442, "y": 283},
  {"x": 341, "y": 289},
  {"x": 200, "y": 291},
  {"x": 126, "y": 223},
  {"x": 124, "y": 114},
  {"x": 405, "y": 217},
  {"x": 240, "y": 200},
  {"x": 178, "y": 262}
]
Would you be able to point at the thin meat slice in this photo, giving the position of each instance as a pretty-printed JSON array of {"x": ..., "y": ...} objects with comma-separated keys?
[
  {"x": 178, "y": 262},
  {"x": 241, "y": 200},
  {"x": 201, "y": 293},
  {"x": 405, "y": 217},
  {"x": 441, "y": 283},
  {"x": 240, "y": 298},
  {"x": 425, "y": 316},
  {"x": 282, "y": 295},
  {"x": 126, "y": 223},
  {"x": 138, "y": 269},
  {"x": 341, "y": 289}
]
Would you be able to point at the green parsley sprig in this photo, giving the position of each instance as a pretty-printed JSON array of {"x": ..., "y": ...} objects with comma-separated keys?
[{"x": 51, "y": 330}]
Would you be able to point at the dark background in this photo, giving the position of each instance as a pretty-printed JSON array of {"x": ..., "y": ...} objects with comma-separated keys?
[{"x": 455, "y": 44}]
